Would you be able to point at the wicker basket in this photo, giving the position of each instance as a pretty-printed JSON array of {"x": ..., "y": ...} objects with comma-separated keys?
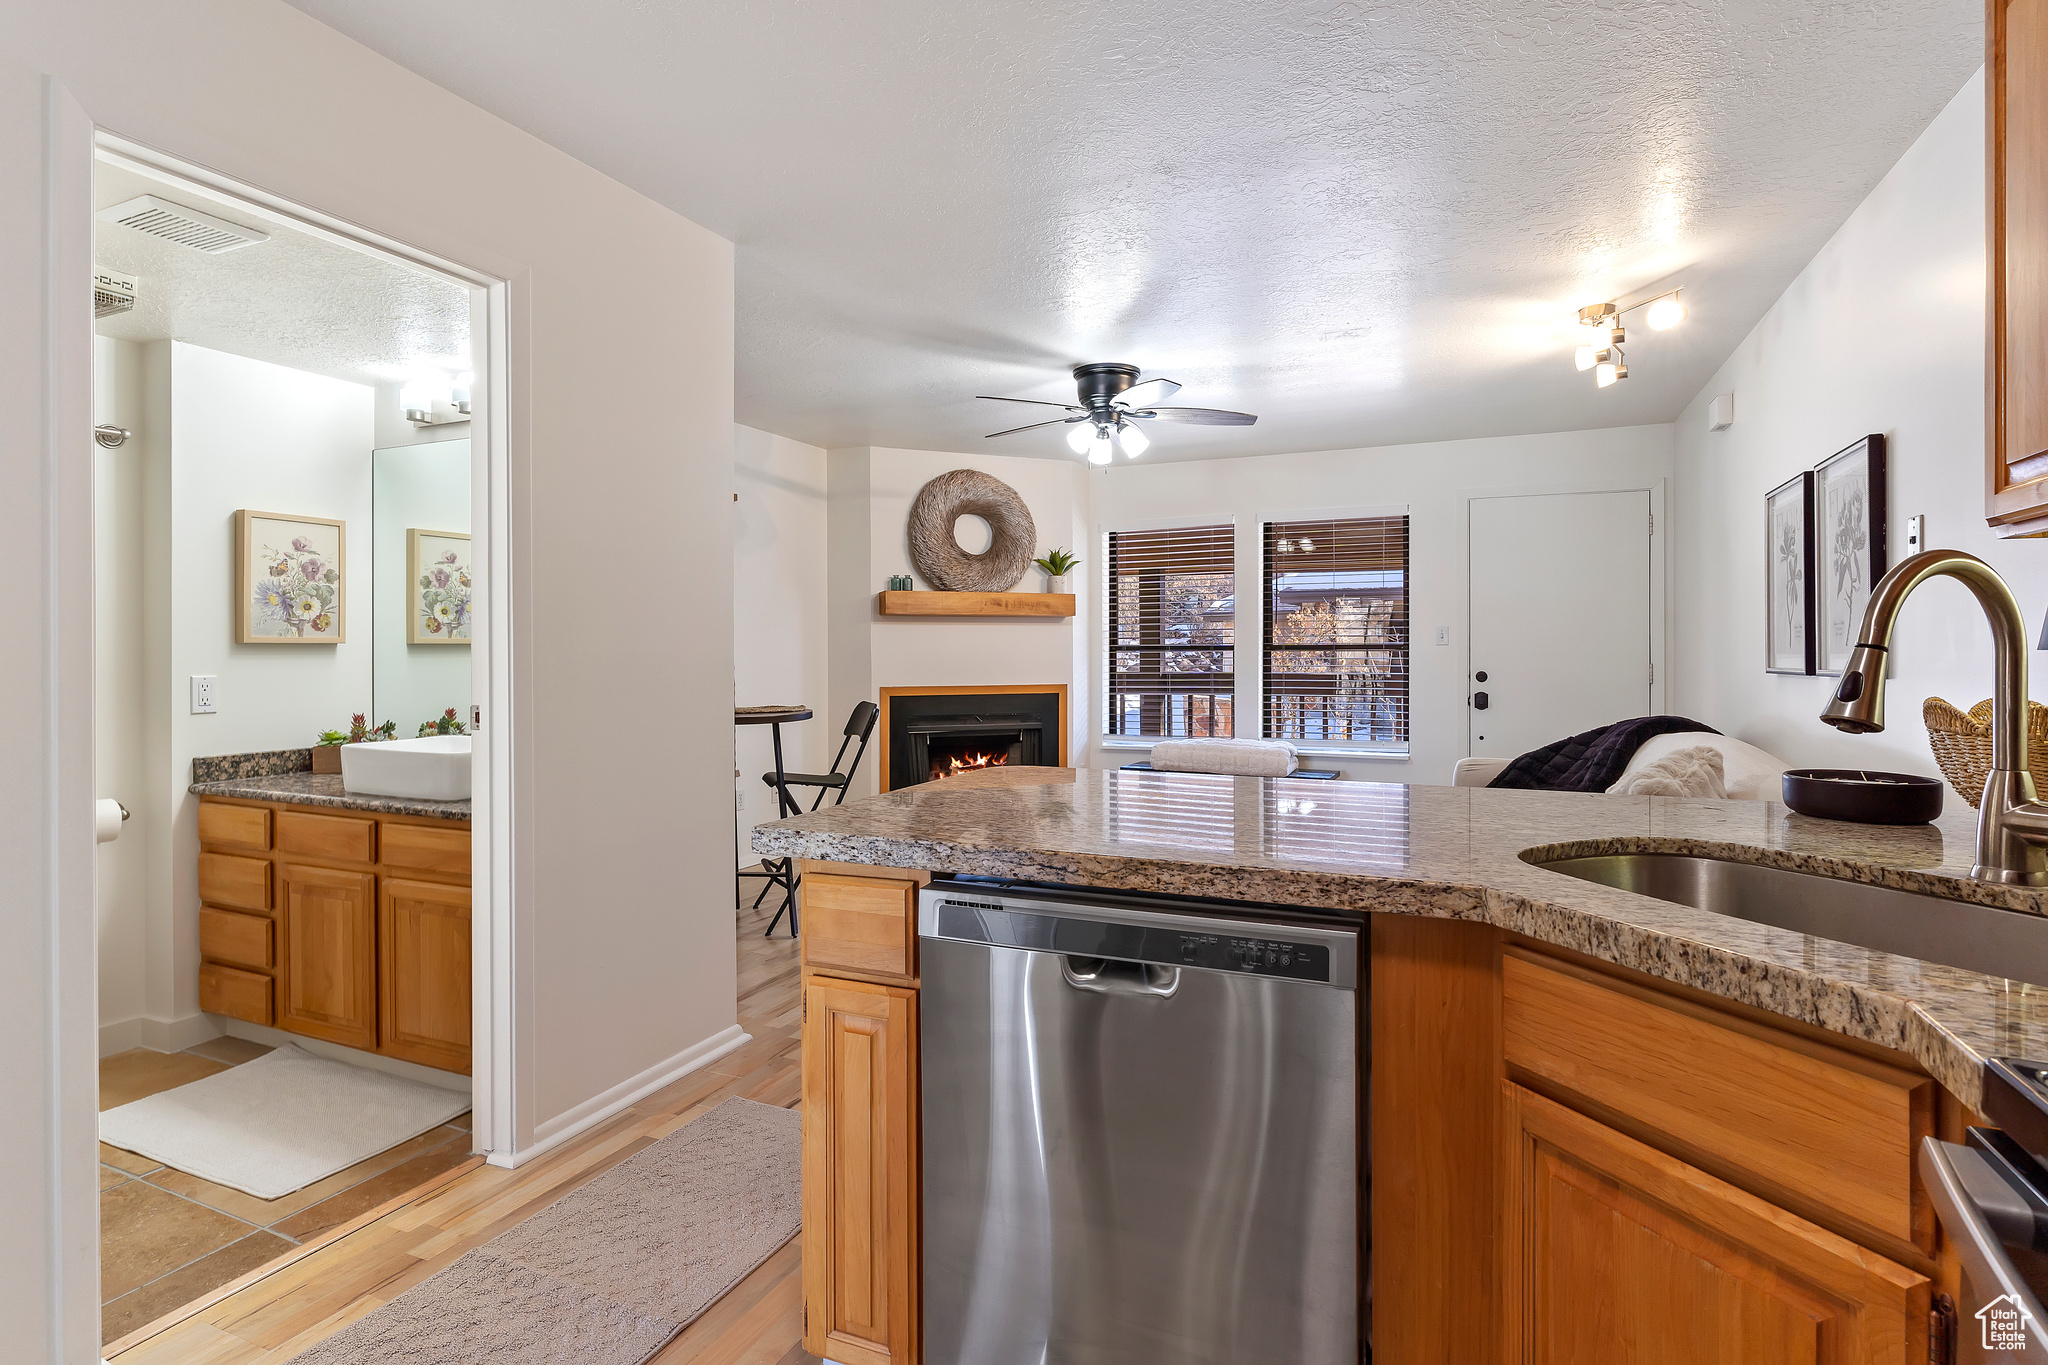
[{"x": 1962, "y": 744}]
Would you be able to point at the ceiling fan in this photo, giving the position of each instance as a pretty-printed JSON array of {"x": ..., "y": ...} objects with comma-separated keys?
[{"x": 1112, "y": 403}]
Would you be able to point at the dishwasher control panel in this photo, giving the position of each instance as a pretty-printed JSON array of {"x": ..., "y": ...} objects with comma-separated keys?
[{"x": 1261, "y": 956}]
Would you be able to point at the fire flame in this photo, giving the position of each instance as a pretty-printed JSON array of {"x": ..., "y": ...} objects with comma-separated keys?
[{"x": 970, "y": 762}]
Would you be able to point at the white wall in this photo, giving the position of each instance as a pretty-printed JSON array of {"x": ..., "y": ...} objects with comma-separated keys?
[
  {"x": 780, "y": 635},
  {"x": 118, "y": 711},
  {"x": 423, "y": 486},
  {"x": 622, "y": 954},
  {"x": 1433, "y": 482},
  {"x": 871, "y": 490},
  {"x": 1882, "y": 332}
]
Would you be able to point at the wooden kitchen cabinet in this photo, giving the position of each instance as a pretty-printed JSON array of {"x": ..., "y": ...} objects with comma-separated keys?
[
  {"x": 424, "y": 972},
  {"x": 346, "y": 926},
  {"x": 328, "y": 923},
  {"x": 860, "y": 1210},
  {"x": 1618, "y": 1253},
  {"x": 2016, "y": 267}
]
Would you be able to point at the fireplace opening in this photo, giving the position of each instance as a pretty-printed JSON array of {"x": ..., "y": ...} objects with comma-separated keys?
[{"x": 931, "y": 736}]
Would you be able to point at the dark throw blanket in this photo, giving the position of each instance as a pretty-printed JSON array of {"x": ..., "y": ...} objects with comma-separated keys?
[{"x": 1593, "y": 761}]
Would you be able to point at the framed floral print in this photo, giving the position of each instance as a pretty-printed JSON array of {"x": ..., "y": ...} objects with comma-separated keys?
[
  {"x": 1849, "y": 548},
  {"x": 1788, "y": 577},
  {"x": 437, "y": 572},
  {"x": 290, "y": 579}
]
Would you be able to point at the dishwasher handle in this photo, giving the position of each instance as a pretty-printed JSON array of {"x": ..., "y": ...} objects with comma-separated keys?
[{"x": 1106, "y": 976}]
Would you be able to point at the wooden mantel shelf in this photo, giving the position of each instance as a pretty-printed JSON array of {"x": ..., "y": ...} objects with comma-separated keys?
[{"x": 975, "y": 603}]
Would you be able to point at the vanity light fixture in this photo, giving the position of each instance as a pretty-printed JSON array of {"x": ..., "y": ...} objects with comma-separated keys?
[
  {"x": 436, "y": 401},
  {"x": 1599, "y": 349}
]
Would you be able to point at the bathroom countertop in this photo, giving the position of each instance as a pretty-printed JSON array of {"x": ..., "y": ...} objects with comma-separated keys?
[
  {"x": 324, "y": 789},
  {"x": 1455, "y": 853}
]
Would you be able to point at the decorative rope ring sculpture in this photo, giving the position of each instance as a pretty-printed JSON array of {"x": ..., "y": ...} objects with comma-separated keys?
[{"x": 938, "y": 556}]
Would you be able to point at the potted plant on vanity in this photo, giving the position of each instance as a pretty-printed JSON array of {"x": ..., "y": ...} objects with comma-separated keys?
[
  {"x": 327, "y": 749},
  {"x": 1056, "y": 564}
]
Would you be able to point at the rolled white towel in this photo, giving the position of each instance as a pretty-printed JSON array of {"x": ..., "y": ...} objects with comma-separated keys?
[{"x": 1237, "y": 757}]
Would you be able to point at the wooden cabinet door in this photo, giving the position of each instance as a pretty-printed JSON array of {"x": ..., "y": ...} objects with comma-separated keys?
[
  {"x": 424, "y": 962},
  {"x": 2016, "y": 264},
  {"x": 327, "y": 923},
  {"x": 1619, "y": 1254},
  {"x": 860, "y": 1225}
]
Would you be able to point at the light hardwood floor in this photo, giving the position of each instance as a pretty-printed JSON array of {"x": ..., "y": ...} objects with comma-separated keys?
[{"x": 760, "y": 1322}]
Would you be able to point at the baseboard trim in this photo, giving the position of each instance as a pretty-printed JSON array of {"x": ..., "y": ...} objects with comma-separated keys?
[
  {"x": 158, "y": 1035},
  {"x": 595, "y": 1110}
]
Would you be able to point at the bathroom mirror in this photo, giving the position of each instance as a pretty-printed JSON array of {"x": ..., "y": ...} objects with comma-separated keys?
[{"x": 421, "y": 583}]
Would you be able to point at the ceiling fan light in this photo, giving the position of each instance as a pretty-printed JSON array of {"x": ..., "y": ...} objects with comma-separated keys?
[
  {"x": 1101, "y": 451},
  {"x": 1133, "y": 441},
  {"x": 1079, "y": 437},
  {"x": 1666, "y": 313}
]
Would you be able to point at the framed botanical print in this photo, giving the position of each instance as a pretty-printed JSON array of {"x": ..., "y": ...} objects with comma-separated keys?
[
  {"x": 1788, "y": 577},
  {"x": 1848, "y": 548},
  {"x": 438, "y": 579},
  {"x": 291, "y": 579}
]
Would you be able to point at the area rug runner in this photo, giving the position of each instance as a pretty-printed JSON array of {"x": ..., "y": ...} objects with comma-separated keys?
[
  {"x": 609, "y": 1273},
  {"x": 280, "y": 1122}
]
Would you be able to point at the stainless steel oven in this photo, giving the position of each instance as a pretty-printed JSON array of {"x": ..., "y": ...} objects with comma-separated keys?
[
  {"x": 1140, "y": 1135},
  {"x": 1992, "y": 1197}
]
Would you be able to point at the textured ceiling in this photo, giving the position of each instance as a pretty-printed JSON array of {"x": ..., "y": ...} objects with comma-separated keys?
[
  {"x": 294, "y": 300},
  {"x": 1367, "y": 222}
]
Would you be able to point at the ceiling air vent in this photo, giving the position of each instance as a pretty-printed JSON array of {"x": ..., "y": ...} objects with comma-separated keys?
[
  {"x": 176, "y": 223},
  {"x": 112, "y": 292}
]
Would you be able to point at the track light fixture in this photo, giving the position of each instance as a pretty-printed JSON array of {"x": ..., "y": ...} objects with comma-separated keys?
[{"x": 1599, "y": 347}]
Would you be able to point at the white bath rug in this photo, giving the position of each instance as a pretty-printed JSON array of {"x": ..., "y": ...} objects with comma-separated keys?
[{"x": 279, "y": 1123}]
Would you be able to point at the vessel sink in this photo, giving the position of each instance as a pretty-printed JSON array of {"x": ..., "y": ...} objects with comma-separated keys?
[
  {"x": 432, "y": 769},
  {"x": 1977, "y": 938}
]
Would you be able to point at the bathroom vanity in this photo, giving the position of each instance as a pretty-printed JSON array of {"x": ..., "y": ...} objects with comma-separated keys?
[
  {"x": 1596, "y": 1119},
  {"x": 343, "y": 918}
]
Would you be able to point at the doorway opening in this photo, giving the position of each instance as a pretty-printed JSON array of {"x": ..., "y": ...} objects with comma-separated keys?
[{"x": 293, "y": 455}]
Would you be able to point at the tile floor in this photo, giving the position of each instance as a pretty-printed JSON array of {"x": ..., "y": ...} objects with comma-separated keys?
[{"x": 167, "y": 1237}]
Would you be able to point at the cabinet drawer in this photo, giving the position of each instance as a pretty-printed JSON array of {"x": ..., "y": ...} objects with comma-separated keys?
[
  {"x": 236, "y": 827},
  {"x": 242, "y": 883},
  {"x": 235, "y": 993},
  {"x": 236, "y": 939},
  {"x": 1795, "y": 1117},
  {"x": 427, "y": 848},
  {"x": 865, "y": 925},
  {"x": 333, "y": 838}
]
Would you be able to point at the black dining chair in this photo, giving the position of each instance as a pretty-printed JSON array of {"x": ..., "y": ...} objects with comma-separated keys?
[{"x": 860, "y": 728}]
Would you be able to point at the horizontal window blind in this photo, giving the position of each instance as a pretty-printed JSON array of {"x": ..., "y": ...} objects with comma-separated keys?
[
  {"x": 1335, "y": 661},
  {"x": 1171, "y": 627}
]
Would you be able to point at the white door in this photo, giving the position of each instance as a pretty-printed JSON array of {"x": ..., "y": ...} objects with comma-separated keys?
[{"x": 1560, "y": 617}]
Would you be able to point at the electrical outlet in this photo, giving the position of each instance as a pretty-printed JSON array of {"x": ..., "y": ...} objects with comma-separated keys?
[
  {"x": 1443, "y": 635},
  {"x": 1916, "y": 535},
  {"x": 202, "y": 694}
]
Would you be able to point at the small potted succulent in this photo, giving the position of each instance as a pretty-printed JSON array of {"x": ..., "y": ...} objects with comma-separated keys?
[
  {"x": 327, "y": 749},
  {"x": 446, "y": 724},
  {"x": 1056, "y": 565}
]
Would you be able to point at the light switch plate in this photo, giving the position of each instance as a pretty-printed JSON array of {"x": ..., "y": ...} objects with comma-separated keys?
[
  {"x": 1916, "y": 535},
  {"x": 202, "y": 694},
  {"x": 1443, "y": 635}
]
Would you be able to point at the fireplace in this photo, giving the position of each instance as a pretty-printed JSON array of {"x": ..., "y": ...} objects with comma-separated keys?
[{"x": 932, "y": 733}]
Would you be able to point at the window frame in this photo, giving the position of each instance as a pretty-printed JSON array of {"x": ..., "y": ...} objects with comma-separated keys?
[
  {"x": 1391, "y": 749},
  {"x": 1224, "y": 684}
]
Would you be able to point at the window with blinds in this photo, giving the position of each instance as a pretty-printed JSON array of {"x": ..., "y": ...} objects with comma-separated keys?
[
  {"x": 1171, "y": 627},
  {"x": 1336, "y": 612}
]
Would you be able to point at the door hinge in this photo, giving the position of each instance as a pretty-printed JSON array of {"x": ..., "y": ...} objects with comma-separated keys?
[
  {"x": 1653, "y": 523},
  {"x": 1941, "y": 1331},
  {"x": 1653, "y": 675}
]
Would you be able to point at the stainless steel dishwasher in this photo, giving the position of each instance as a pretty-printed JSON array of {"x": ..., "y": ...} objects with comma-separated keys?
[{"x": 1140, "y": 1134}]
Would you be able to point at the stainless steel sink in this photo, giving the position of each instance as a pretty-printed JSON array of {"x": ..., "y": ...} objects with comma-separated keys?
[{"x": 1977, "y": 938}]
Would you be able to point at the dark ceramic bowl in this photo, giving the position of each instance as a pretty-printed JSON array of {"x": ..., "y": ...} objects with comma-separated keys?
[{"x": 1865, "y": 797}]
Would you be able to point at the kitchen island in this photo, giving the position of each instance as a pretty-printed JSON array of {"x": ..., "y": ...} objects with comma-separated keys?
[{"x": 1552, "y": 1060}]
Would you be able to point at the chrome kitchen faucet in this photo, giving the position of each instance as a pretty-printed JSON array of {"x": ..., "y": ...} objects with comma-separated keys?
[{"x": 2012, "y": 824}]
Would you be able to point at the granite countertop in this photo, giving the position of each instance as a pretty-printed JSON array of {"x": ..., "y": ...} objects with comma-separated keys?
[
  {"x": 324, "y": 789},
  {"x": 1454, "y": 853}
]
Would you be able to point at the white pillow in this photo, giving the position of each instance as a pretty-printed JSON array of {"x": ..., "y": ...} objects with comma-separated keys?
[
  {"x": 1688, "y": 772},
  {"x": 1749, "y": 773}
]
